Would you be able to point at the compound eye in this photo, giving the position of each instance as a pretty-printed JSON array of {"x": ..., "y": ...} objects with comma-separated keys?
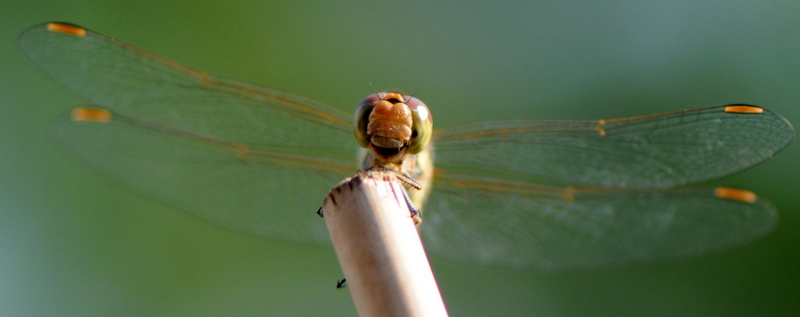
[
  {"x": 422, "y": 128},
  {"x": 361, "y": 118}
]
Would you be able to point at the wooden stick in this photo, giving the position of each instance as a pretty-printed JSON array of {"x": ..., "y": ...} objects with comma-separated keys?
[{"x": 379, "y": 248}]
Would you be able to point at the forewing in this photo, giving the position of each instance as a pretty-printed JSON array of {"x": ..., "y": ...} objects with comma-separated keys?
[
  {"x": 657, "y": 151},
  {"x": 140, "y": 85}
]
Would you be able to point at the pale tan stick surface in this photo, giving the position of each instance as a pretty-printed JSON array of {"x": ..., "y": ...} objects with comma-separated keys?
[{"x": 379, "y": 248}]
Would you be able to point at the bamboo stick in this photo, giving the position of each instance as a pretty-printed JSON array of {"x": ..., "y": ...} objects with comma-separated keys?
[{"x": 379, "y": 248}]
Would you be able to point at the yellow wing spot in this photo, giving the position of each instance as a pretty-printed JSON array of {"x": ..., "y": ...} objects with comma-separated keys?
[
  {"x": 736, "y": 194},
  {"x": 66, "y": 29},
  {"x": 91, "y": 115},
  {"x": 743, "y": 109}
]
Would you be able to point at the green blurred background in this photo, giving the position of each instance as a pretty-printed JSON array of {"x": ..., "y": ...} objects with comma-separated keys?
[{"x": 75, "y": 244}]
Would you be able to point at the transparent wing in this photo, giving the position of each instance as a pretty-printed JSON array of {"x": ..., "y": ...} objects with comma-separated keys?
[
  {"x": 656, "y": 151},
  {"x": 555, "y": 229},
  {"x": 250, "y": 158},
  {"x": 580, "y": 194},
  {"x": 137, "y": 84},
  {"x": 255, "y": 159}
]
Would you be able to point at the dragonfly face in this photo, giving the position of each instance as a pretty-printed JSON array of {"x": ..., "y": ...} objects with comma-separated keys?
[
  {"x": 396, "y": 132},
  {"x": 548, "y": 194},
  {"x": 390, "y": 126}
]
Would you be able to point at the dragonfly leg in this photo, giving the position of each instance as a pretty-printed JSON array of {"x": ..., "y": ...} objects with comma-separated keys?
[
  {"x": 409, "y": 181},
  {"x": 415, "y": 214},
  {"x": 341, "y": 283},
  {"x": 319, "y": 212}
]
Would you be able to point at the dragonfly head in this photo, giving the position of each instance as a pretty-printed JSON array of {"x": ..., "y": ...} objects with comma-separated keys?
[{"x": 391, "y": 125}]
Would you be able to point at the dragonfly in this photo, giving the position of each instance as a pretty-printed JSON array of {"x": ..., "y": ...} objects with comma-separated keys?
[{"x": 540, "y": 194}]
